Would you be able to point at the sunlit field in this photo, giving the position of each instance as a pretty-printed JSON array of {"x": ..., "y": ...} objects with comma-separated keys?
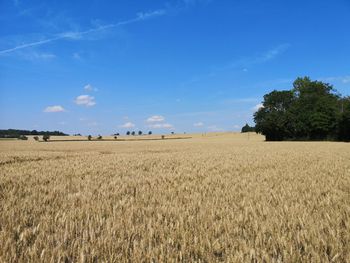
[{"x": 211, "y": 198}]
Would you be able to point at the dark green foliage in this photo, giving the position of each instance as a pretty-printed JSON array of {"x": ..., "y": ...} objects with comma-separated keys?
[
  {"x": 99, "y": 137},
  {"x": 128, "y": 133},
  {"x": 89, "y": 137},
  {"x": 36, "y": 138},
  {"x": 344, "y": 120},
  {"x": 46, "y": 137},
  {"x": 247, "y": 128},
  {"x": 115, "y": 137},
  {"x": 133, "y": 133},
  {"x": 13, "y": 133},
  {"x": 23, "y": 137},
  {"x": 310, "y": 111},
  {"x": 149, "y": 133},
  {"x": 140, "y": 132}
]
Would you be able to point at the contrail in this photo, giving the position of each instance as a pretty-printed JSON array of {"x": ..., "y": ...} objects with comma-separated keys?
[{"x": 75, "y": 35}]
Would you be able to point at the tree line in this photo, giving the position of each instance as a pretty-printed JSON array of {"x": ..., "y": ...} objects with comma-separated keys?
[
  {"x": 14, "y": 133},
  {"x": 311, "y": 110}
]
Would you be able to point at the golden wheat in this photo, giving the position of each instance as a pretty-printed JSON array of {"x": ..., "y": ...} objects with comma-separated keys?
[{"x": 212, "y": 198}]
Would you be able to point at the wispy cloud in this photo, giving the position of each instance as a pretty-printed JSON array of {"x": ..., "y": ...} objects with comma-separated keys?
[
  {"x": 34, "y": 56},
  {"x": 342, "y": 79},
  {"x": 195, "y": 2},
  {"x": 85, "y": 100},
  {"x": 56, "y": 108},
  {"x": 155, "y": 118},
  {"x": 89, "y": 87},
  {"x": 76, "y": 35},
  {"x": 161, "y": 126},
  {"x": 127, "y": 125},
  {"x": 198, "y": 124},
  {"x": 258, "y": 59},
  {"x": 242, "y": 64}
]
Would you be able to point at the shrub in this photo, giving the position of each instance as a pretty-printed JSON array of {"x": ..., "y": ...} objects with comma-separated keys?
[
  {"x": 247, "y": 128},
  {"x": 46, "y": 137},
  {"x": 89, "y": 137},
  {"x": 140, "y": 132},
  {"x": 149, "y": 133},
  {"x": 23, "y": 137},
  {"x": 133, "y": 133},
  {"x": 36, "y": 138},
  {"x": 115, "y": 137},
  {"x": 99, "y": 137}
]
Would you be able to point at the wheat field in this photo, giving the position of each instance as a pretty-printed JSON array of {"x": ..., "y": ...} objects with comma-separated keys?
[{"x": 213, "y": 198}]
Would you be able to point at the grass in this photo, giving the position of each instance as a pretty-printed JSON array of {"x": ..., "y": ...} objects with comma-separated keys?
[{"x": 212, "y": 198}]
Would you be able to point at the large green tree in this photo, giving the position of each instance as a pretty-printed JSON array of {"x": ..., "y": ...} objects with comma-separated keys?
[
  {"x": 315, "y": 109},
  {"x": 273, "y": 119},
  {"x": 311, "y": 110}
]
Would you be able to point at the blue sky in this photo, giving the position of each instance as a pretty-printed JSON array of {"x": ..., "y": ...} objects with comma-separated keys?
[{"x": 100, "y": 67}]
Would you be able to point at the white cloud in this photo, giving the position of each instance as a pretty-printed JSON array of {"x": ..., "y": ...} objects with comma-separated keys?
[
  {"x": 257, "y": 107},
  {"x": 89, "y": 87},
  {"x": 155, "y": 118},
  {"x": 128, "y": 125},
  {"x": 56, "y": 108},
  {"x": 161, "y": 126},
  {"x": 198, "y": 124},
  {"x": 85, "y": 100}
]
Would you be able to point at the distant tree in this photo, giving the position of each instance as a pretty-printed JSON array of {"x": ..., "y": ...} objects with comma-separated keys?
[
  {"x": 172, "y": 132},
  {"x": 247, "y": 128},
  {"x": 89, "y": 137},
  {"x": 150, "y": 133},
  {"x": 117, "y": 134},
  {"x": 99, "y": 137},
  {"x": 46, "y": 137},
  {"x": 14, "y": 133},
  {"x": 23, "y": 137},
  {"x": 140, "y": 133},
  {"x": 133, "y": 133},
  {"x": 128, "y": 133},
  {"x": 36, "y": 138},
  {"x": 163, "y": 137},
  {"x": 115, "y": 137}
]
